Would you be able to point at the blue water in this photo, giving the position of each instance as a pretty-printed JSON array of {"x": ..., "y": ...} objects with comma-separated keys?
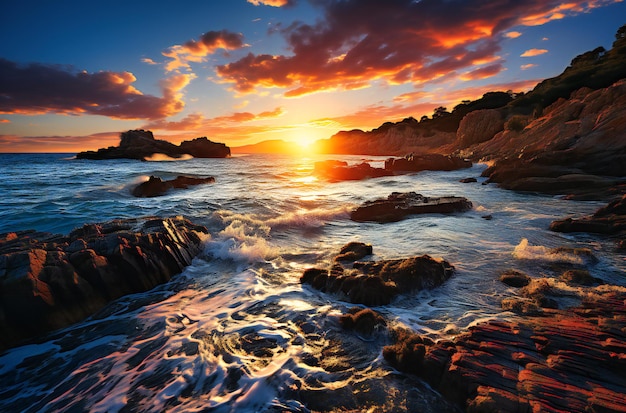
[{"x": 175, "y": 348}]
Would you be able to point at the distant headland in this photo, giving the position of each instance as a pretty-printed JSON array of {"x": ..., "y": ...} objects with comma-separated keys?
[{"x": 141, "y": 144}]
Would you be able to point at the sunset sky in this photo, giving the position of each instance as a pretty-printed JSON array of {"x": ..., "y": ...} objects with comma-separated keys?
[{"x": 74, "y": 74}]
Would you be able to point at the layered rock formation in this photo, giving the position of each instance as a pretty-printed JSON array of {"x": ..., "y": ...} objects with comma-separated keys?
[
  {"x": 141, "y": 144},
  {"x": 398, "y": 205},
  {"x": 155, "y": 186},
  {"x": 50, "y": 281},
  {"x": 573, "y": 360},
  {"x": 577, "y": 146}
]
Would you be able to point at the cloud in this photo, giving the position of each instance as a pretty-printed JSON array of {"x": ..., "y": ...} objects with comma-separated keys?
[
  {"x": 533, "y": 52},
  {"x": 483, "y": 72},
  {"x": 14, "y": 143},
  {"x": 528, "y": 66},
  {"x": 197, "y": 121},
  {"x": 273, "y": 3},
  {"x": 5, "y": 121},
  {"x": 37, "y": 89},
  {"x": 149, "y": 61},
  {"x": 197, "y": 50},
  {"x": 401, "y": 41},
  {"x": 512, "y": 35}
]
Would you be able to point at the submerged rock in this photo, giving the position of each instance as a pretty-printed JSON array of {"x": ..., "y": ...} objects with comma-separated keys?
[
  {"x": 364, "y": 321},
  {"x": 514, "y": 278},
  {"x": 399, "y": 205},
  {"x": 375, "y": 283},
  {"x": 573, "y": 360},
  {"x": 354, "y": 251},
  {"x": 141, "y": 144},
  {"x": 157, "y": 187},
  {"x": 50, "y": 281}
]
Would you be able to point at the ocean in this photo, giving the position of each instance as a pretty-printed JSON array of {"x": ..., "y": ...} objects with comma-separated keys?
[{"x": 236, "y": 331}]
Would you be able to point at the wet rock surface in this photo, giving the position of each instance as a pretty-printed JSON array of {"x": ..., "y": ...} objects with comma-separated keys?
[
  {"x": 566, "y": 360},
  {"x": 610, "y": 219},
  {"x": 141, "y": 144},
  {"x": 399, "y": 205},
  {"x": 155, "y": 186},
  {"x": 426, "y": 162},
  {"x": 341, "y": 171},
  {"x": 375, "y": 283},
  {"x": 49, "y": 281}
]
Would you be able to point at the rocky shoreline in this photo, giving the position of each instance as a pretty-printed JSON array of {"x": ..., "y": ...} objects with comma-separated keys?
[{"x": 49, "y": 281}]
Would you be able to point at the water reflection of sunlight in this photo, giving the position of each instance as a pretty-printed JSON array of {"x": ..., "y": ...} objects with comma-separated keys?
[{"x": 306, "y": 179}]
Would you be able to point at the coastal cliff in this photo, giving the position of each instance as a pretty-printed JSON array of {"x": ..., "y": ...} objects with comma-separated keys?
[{"x": 141, "y": 144}]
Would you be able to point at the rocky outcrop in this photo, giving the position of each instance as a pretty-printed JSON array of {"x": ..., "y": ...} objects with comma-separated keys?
[
  {"x": 568, "y": 360},
  {"x": 570, "y": 149},
  {"x": 341, "y": 171},
  {"x": 610, "y": 219},
  {"x": 426, "y": 162},
  {"x": 398, "y": 205},
  {"x": 50, "y": 281},
  {"x": 141, "y": 144},
  {"x": 157, "y": 187},
  {"x": 395, "y": 140},
  {"x": 375, "y": 283},
  {"x": 478, "y": 126}
]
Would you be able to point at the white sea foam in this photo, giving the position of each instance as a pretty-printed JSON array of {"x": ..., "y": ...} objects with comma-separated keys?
[{"x": 525, "y": 251}]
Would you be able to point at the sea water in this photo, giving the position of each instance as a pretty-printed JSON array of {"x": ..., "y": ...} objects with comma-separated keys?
[{"x": 236, "y": 331}]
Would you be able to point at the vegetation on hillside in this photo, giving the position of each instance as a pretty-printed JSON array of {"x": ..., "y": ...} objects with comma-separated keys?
[{"x": 594, "y": 69}]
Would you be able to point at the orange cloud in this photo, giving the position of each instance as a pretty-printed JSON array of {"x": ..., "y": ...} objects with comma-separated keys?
[
  {"x": 197, "y": 50},
  {"x": 528, "y": 66},
  {"x": 533, "y": 52},
  {"x": 5, "y": 121},
  {"x": 273, "y": 3},
  {"x": 38, "y": 89},
  {"x": 13, "y": 143},
  {"x": 197, "y": 122},
  {"x": 512, "y": 35},
  {"x": 395, "y": 42},
  {"x": 483, "y": 72}
]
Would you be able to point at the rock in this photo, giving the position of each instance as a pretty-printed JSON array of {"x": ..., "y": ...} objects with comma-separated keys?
[
  {"x": 468, "y": 180},
  {"x": 430, "y": 162},
  {"x": 488, "y": 217},
  {"x": 354, "y": 251},
  {"x": 575, "y": 147},
  {"x": 377, "y": 283},
  {"x": 514, "y": 278},
  {"x": 364, "y": 321},
  {"x": 141, "y": 144},
  {"x": 479, "y": 126},
  {"x": 573, "y": 360},
  {"x": 399, "y": 205},
  {"x": 156, "y": 187},
  {"x": 204, "y": 148},
  {"x": 579, "y": 277},
  {"x": 50, "y": 281},
  {"x": 610, "y": 219},
  {"x": 341, "y": 171}
]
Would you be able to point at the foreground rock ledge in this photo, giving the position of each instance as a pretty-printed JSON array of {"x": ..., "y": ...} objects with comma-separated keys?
[
  {"x": 567, "y": 361},
  {"x": 50, "y": 281}
]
